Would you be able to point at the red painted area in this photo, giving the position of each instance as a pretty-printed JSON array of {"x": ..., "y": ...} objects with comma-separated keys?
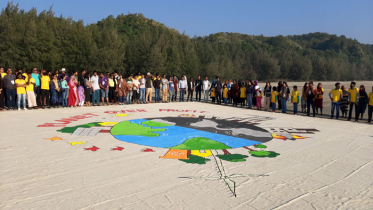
[
  {"x": 93, "y": 149},
  {"x": 226, "y": 152},
  {"x": 118, "y": 148},
  {"x": 249, "y": 149},
  {"x": 65, "y": 121},
  {"x": 147, "y": 150},
  {"x": 104, "y": 131},
  {"x": 125, "y": 111}
]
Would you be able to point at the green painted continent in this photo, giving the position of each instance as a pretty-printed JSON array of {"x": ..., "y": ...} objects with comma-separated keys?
[
  {"x": 155, "y": 124},
  {"x": 200, "y": 143},
  {"x": 134, "y": 129}
]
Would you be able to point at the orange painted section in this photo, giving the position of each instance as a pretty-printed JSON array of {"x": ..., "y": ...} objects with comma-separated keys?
[{"x": 176, "y": 154}]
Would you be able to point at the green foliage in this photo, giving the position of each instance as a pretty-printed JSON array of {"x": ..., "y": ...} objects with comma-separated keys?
[
  {"x": 263, "y": 153},
  {"x": 72, "y": 129},
  {"x": 132, "y": 43},
  {"x": 195, "y": 159},
  {"x": 233, "y": 157},
  {"x": 261, "y": 146},
  {"x": 200, "y": 143}
]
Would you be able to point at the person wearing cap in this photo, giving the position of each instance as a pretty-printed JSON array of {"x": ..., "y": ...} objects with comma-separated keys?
[
  {"x": 353, "y": 98},
  {"x": 36, "y": 77},
  {"x": 63, "y": 71}
]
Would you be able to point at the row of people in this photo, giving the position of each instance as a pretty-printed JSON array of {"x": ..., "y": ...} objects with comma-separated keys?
[{"x": 59, "y": 89}]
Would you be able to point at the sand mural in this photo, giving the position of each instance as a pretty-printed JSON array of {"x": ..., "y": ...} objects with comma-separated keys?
[{"x": 194, "y": 139}]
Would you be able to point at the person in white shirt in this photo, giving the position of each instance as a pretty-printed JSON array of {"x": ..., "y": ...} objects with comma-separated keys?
[
  {"x": 190, "y": 89},
  {"x": 164, "y": 89},
  {"x": 95, "y": 89},
  {"x": 206, "y": 87},
  {"x": 142, "y": 81},
  {"x": 135, "y": 89},
  {"x": 182, "y": 87}
]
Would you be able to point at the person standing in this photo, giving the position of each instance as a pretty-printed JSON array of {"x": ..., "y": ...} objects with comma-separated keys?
[
  {"x": 279, "y": 88},
  {"x": 234, "y": 92},
  {"x": 212, "y": 93},
  {"x": 64, "y": 90},
  {"x": 363, "y": 101},
  {"x": 218, "y": 88},
  {"x": 9, "y": 84},
  {"x": 335, "y": 96},
  {"x": 182, "y": 87},
  {"x": 370, "y": 106},
  {"x": 344, "y": 102},
  {"x": 242, "y": 94},
  {"x": 274, "y": 96},
  {"x": 353, "y": 98},
  {"x": 36, "y": 77},
  {"x": 259, "y": 96},
  {"x": 129, "y": 90},
  {"x": 21, "y": 91},
  {"x": 103, "y": 81},
  {"x": 81, "y": 87},
  {"x": 175, "y": 87},
  {"x": 267, "y": 96},
  {"x": 190, "y": 89},
  {"x": 198, "y": 88},
  {"x": 157, "y": 87},
  {"x": 304, "y": 97},
  {"x": 319, "y": 98},
  {"x": 112, "y": 89},
  {"x": 55, "y": 89},
  {"x": 295, "y": 99},
  {"x": 2, "y": 89},
  {"x": 249, "y": 92},
  {"x": 73, "y": 99},
  {"x": 45, "y": 83},
  {"x": 149, "y": 89},
  {"x": 206, "y": 86},
  {"x": 95, "y": 89},
  {"x": 135, "y": 89},
  {"x": 142, "y": 82},
  {"x": 164, "y": 89},
  {"x": 171, "y": 88},
  {"x": 87, "y": 89},
  {"x": 225, "y": 94},
  {"x": 311, "y": 94},
  {"x": 122, "y": 89}
]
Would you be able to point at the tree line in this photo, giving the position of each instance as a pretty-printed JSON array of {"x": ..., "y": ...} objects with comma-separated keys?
[{"x": 131, "y": 43}]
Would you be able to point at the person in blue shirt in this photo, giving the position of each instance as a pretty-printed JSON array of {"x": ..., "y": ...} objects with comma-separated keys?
[{"x": 36, "y": 77}]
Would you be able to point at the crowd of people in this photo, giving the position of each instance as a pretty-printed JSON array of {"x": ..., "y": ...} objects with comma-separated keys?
[{"x": 58, "y": 89}]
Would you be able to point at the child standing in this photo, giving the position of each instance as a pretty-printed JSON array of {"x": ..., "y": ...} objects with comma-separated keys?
[
  {"x": 212, "y": 93},
  {"x": 31, "y": 99},
  {"x": 64, "y": 90},
  {"x": 225, "y": 95},
  {"x": 295, "y": 99},
  {"x": 274, "y": 98},
  {"x": 242, "y": 94}
]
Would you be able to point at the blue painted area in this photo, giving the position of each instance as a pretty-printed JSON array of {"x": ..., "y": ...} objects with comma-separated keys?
[{"x": 175, "y": 135}]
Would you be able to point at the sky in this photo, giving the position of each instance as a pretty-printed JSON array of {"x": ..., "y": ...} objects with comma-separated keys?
[{"x": 354, "y": 19}]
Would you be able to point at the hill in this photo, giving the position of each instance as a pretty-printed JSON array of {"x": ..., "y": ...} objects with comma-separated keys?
[{"x": 132, "y": 43}]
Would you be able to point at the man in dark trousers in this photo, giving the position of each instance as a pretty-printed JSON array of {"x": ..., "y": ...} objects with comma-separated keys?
[
  {"x": 190, "y": 89},
  {"x": 198, "y": 88},
  {"x": 218, "y": 87}
]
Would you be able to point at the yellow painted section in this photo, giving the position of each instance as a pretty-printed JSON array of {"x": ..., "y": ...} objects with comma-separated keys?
[
  {"x": 108, "y": 123},
  {"x": 200, "y": 154},
  {"x": 121, "y": 115},
  {"x": 77, "y": 142},
  {"x": 176, "y": 154}
]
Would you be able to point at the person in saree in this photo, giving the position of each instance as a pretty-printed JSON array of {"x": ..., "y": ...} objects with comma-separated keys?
[
  {"x": 319, "y": 98},
  {"x": 55, "y": 89},
  {"x": 122, "y": 88},
  {"x": 73, "y": 93}
]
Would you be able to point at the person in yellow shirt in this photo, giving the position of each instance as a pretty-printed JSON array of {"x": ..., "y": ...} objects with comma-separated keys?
[
  {"x": 225, "y": 95},
  {"x": 370, "y": 106},
  {"x": 212, "y": 93},
  {"x": 274, "y": 96},
  {"x": 295, "y": 99},
  {"x": 45, "y": 82},
  {"x": 21, "y": 91},
  {"x": 31, "y": 99},
  {"x": 353, "y": 98},
  {"x": 335, "y": 96},
  {"x": 242, "y": 94}
]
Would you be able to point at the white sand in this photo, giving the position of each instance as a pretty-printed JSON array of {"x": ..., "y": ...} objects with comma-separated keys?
[{"x": 332, "y": 169}]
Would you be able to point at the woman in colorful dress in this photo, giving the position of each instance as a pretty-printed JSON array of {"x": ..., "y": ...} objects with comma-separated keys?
[
  {"x": 55, "y": 89},
  {"x": 87, "y": 89},
  {"x": 73, "y": 93},
  {"x": 344, "y": 101},
  {"x": 319, "y": 98},
  {"x": 81, "y": 95}
]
